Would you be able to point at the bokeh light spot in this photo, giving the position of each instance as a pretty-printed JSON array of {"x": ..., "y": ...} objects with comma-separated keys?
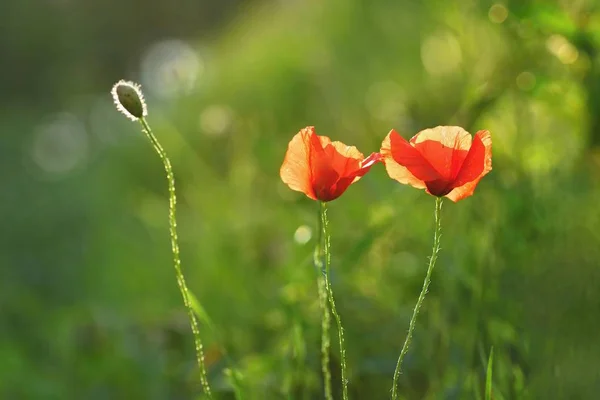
[
  {"x": 525, "y": 81},
  {"x": 498, "y": 13},
  {"x": 215, "y": 120},
  {"x": 385, "y": 101},
  {"x": 302, "y": 234},
  {"x": 171, "y": 68},
  {"x": 441, "y": 54},
  {"x": 60, "y": 145},
  {"x": 562, "y": 49}
]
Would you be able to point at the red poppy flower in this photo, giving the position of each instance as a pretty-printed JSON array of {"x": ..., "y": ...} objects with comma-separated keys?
[
  {"x": 320, "y": 168},
  {"x": 446, "y": 160}
]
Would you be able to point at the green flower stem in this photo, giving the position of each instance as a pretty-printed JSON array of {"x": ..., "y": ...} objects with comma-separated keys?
[
  {"x": 325, "y": 315},
  {"x": 176, "y": 260},
  {"x": 336, "y": 316},
  {"x": 411, "y": 326}
]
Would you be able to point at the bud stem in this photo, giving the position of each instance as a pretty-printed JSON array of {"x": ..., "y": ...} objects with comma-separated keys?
[{"x": 176, "y": 260}]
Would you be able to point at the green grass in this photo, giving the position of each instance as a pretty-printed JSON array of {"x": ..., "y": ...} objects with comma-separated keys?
[{"x": 90, "y": 307}]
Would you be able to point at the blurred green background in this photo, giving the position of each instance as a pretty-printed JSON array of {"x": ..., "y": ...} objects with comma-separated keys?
[{"x": 89, "y": 307}]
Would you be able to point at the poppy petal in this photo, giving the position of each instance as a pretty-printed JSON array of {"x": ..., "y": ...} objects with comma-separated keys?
[
  {"x": 408, "y": 156},
  {"x": 353, "y": 167},
  {"x": 324, "y": 140},
  {"x": 373, "y": 159},
  {"x": 463, "y": 191},
  {"x": 439, "y": 187},
  {"x": 347, "y": 151},
  {"x": 450, "y": 136},
  {"x": 340, "y": 187},
  {"x": 295, "y": 170},
  {"x": 344, "y": 182},
  {"x": 395, "y": 170},
  {"x": 444, "y": 147},
  {"x": 345, "y": 159},
  {"x": 477, "y": 164},
  {"x": 322, "y": 169},
  {"x": 365, "y": 165},
  {"x": 486, "y": 139},
  {"x": 473, "y": 165},
  {"x": 322, "y": 174},
  {"x": 404, "y": 163}
]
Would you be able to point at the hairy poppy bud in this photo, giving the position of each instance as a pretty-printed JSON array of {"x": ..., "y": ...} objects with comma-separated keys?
[{"x": 129, "y": 99}]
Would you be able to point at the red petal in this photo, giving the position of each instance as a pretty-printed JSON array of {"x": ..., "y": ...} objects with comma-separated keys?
[
  {"x": 473, "y": 165},
  {"x": 364, "y": 166},
  {"x": 322, "y": 169},
  {"x": 396, "y": 171},
  {"x": 444, "y": 147},
  {"x": 477, "y": 164},
  {"x": 408, "y": 156},
  {"x": 345, "y": 159},
  {"x": 295, "y": 171},
  {"x": 344, "y": 182},
  {"x": 323, "y": 176},
  {"x": 350, "y": 166}
]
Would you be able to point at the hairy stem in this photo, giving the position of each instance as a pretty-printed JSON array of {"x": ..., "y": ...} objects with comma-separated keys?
[
  {"x": 426, "y": 282},
  {"x": 176, "y": 260},
  {"x": 325, "y": 315},
  {"x": 336, "y": 316}
]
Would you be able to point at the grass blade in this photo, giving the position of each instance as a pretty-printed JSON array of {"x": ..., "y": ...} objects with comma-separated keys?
[
  {"x": 488, "y": 376},
  {"x": 200, "y": 312}
]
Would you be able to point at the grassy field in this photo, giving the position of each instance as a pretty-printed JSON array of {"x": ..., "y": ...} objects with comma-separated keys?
[{"x": 89, "y": 307}]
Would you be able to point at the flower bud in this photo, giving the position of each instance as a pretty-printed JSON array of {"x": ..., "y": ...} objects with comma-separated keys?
[{"x": 129, "y": 99}]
